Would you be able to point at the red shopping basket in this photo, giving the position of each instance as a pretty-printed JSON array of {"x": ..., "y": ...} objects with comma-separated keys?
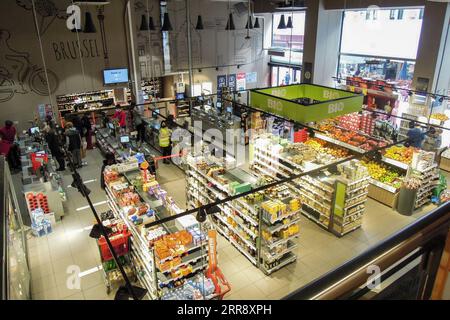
[{"x": 120, "y": 243}]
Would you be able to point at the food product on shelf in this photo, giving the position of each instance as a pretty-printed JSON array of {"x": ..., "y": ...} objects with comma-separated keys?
[
  {"x": 400, "y": 153},
  {"x": 439, "y": 116},
  {"x": 383, "y": 173}
]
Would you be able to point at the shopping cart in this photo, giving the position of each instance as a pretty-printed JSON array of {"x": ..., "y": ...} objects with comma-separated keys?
[{"x": 110, "y": 270}]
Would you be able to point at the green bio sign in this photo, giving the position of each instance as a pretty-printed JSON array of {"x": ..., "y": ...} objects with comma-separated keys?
[{"x": 331, "y": 102}]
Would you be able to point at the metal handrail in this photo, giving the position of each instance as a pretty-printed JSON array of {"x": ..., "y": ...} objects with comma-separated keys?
[
  {"x": 352, "y": 274},
  {"x": 3, "y": 232}
]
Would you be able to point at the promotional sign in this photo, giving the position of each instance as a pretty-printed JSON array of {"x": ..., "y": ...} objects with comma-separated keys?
[
  {"x": 279, "y": 100},
  {"x": 45, "y": 110},
  {"x": 221, "y": 82},
  {"x": 232, "y": 82},
  {"x": 251, "y": 77},
  {"x": 240, "y": 81}
]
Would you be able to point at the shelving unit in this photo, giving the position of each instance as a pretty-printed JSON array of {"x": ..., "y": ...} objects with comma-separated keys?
[{"x": 159, "y": 275}]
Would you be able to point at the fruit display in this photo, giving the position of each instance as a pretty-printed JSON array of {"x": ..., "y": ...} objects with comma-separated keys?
[
  {"x": 400, "y": 153},
  {"x": 383, "y": 173},
  {"x": 439, "y": 116}
]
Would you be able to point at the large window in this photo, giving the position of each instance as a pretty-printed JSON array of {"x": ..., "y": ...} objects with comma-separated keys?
[
  {"x": 380, "y": 44},
  {"x": 290, "y": 40},
  {"x": 284, "y": 75}
]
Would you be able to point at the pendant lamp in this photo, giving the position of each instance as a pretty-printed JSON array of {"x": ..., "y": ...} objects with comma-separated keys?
[
  {"x": 256, "y": 26},
  {"x": 199, "y": 25},
  {"x": 249, "y": 24},
  {"x": 89, "y": 26},
  {"x": 144, "y": 25},
  {"x": 167, "y": 26},
  {"x": 282, "y": 24},
  {"x": 230, "y": 23},
  {"x": 289, "y": 23},
  {"x": 151, "y": 25}
]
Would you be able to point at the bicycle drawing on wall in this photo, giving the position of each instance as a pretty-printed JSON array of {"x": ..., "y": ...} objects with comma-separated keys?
[{"x": 19, "y": 75}]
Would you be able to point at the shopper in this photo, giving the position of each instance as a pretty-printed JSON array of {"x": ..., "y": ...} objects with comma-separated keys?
[
  {"x": 415, "y": 135},
  {"x": 171, "y": 124},
  {"x": 54, "y": 146},
  {"x": 87, "y": 130},
  {"x": 50, "y": 122},
  {"x": 9, "y": 133},
  {"x": 432, "y": 141},
  {"x": 110, "y": 159},
  {"x": 164, "y": 141},
  {"x": 74, "y": 144},
  {"x": 139, "y": 124},
  {"x": 121, "y": 116}
]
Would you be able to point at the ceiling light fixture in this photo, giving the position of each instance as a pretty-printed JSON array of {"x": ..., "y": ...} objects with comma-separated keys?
[
  {"x": 89, "y": 26},
  {"x": 199, "y": 25},
  {"x": 289, "y": 23},
  {"x": 230, "y": 23},
  {"x": 151, "y": 25},
  {"x": 256, "y": 26},
  {"x": 282, "y": 24},
  {"x": 249, "y": 24},
  {"x": 144, "y": 25},
  {"x": 167, "y": 26}
]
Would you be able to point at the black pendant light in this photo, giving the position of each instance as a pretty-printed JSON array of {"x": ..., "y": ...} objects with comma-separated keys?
[
  {"x": 199, "y": 25},
  {"x": 249, "y": 24},
  {"x": 256, "y": 26},
  {"x": 89, "y": 26},
  {"x": 151, "y": 25},
  {"x": 289, "y": 23},
  {"x": 230, "y": 23},
  {"x": 144, "y": 25},
  {"x": 167, "y": 26},
  {"x": 282, "y": 24}
]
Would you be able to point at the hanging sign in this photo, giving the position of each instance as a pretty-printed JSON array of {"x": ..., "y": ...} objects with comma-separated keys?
[
  {"x": 251, "y": 77},
  {"x": 240, "y": 81},
  {"x": 221, "y": 82},
  {"x": 281, "y": 101},
  {"x": 232, "y": 82}
]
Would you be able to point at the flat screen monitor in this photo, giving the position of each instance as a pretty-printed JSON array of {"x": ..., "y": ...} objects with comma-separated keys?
[
  {"x": 34, "y": 130},
  {"x": 113, "y": 76},
  {"x": 180, "y": 96},
  {"x": 219, "y": 105},
  {"x": 124, "y": 139},
  {"x": 111, "y": 126}
]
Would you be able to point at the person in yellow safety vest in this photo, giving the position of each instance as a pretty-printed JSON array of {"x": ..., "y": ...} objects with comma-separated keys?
[{"x": 164, "y": 141}]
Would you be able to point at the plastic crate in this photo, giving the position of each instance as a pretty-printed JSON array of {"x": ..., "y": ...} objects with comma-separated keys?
[{"x": 120, "y": 243}]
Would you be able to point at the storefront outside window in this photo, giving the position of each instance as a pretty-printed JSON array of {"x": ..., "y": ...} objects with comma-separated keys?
[
  {"x": 380, "y": 44},
  {"x": 290, "y": 40}
]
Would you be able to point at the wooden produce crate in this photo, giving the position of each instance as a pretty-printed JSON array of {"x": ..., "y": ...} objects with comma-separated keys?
[
  {"x": 382, "y": 195},
  {"x": 445, "y": 164}
]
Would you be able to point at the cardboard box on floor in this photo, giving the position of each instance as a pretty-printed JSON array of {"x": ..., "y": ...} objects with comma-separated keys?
[{"x": 383, "y": 196}]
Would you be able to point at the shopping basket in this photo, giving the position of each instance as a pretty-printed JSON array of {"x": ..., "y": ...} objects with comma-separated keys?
[{"x": 120, "y": 243}]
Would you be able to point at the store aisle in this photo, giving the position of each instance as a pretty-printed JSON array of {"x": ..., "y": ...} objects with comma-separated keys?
[{"x": 70, "y": 246}]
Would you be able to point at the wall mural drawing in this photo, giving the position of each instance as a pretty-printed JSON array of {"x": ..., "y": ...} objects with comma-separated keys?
[
  {"x": 47, "y": 12},
  {"x": 19, "y": 75}
]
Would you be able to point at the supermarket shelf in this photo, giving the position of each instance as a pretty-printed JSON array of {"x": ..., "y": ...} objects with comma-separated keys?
[
  {"x": 348, "y": 231},
  {"x": 321, "y": 185},
  {"x": 245, "y": 253},
  {"x": 314, "y": 219},
  {"x": 427, "y": 169},
  {"x": 246, "y": 241},
  {"x": 247, "y": 230},
  {"x": 278, "y": 227},
  {"x": 355, "y": 204},
  {"x": 352, "y": 183},
  {"x": 290, "y": 214},
  {"x": 339, "y": 143},
  {"x": 328, "y": 206},
  {"x": 242, "y": 214},
  {"x": 382, "y": 185},
  {"x": 193, "y": 257},
  {"x": 164, "y": 280},
  {"x": 357, "y": 196},
  {"x": 395, "y": 163},
  {"x": 289, "y": 258},
  {"x": 275, "y": 161},
  {"x": 270, "y": 257},
  {"x": 357, "y": 189},
  {"x": 329, "y": 199},
  {"x": 249, "y": 208},
  {"x": 281, "y": 241}
]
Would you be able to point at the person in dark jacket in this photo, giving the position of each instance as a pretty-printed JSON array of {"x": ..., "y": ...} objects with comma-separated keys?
[
  {"x": 110, "y": 159},
  {"x": 87, "y": 130},
  {"x": 74, "y": 144},
  {"x": 55, "y": 148},
  {"x": 415, "y": 135}
]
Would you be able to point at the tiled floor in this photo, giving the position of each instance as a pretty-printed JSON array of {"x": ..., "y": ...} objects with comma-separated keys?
[{"x": 69, "y": 245}]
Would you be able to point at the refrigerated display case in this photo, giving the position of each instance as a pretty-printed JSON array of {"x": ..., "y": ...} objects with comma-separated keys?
[{"x": 14, "y": 274}]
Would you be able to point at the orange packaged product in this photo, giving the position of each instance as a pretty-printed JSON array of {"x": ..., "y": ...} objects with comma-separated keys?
[{"x": 185, "y": 238}]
